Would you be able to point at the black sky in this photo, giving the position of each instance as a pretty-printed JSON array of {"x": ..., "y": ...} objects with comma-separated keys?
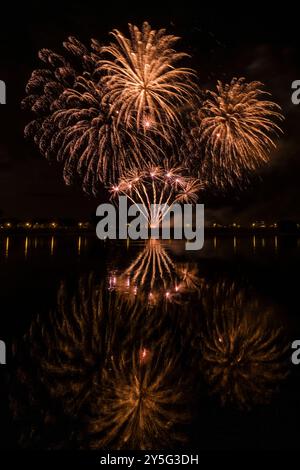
[{"x": 259, "y": 43}]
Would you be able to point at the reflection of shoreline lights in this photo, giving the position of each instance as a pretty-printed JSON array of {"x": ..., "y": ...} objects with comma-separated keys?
[
  {"x": 26, "y": 247},
  {"x": 155, "y": 276},
  {"x": 37, "y": 243},
  {"x": 232, "y": 133},
  {"x": 52, "y": 246},
  {"x": 79, "y": 242},
  {"x": 242, "y": 349},
  {"x": 31, "y": 243},
  {"x": 254, "y": 242},
  {"x": 110, "y": 368},
  {"x": 7, "y": 247},
  {"x": 157, "y": 186}
]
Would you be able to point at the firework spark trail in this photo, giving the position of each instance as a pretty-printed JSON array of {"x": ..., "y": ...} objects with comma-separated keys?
[
  {"x": 233, "y": 132},
  {"x": 243, "y": 347},
  {"x": 154, "y": 190},
  {"x": 144, "y": 86}
]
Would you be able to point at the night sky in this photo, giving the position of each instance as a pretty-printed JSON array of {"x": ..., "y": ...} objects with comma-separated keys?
[{"x": 223, "y": 41}]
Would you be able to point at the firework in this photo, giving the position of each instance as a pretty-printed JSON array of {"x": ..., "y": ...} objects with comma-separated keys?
[
  {"x": 144, "y": 85},
  {"x": 140, "y": 404},
  {"x": 112, "y": 368},
  {"x": 155, "y": 277},
  {"x": 243, "y": 348},
  {"x": 80, "y": 327},
  {"x": 72, "y": 123},
  {"x": 157, "y": 189},
  {"x": 233, "y": 133}
]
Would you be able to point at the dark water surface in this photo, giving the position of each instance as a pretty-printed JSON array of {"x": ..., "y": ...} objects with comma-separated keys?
[{"x": 145, "y": 345}]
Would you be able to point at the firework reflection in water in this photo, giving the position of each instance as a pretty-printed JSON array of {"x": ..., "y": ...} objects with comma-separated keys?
[
  {"x": 111, "y": 368},
  {"x": 243, "y": 347},
  {"x": 156, "y": 277}
]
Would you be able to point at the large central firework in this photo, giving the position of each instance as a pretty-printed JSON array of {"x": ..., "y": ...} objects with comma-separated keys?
[{"x": 144, "y": 86}]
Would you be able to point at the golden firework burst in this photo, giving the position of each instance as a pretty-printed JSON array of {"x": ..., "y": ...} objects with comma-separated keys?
[
  {"x": 144, "y": 85},
  {"x": 72, "y": 124},
  {"x": 233, "y": 132}
]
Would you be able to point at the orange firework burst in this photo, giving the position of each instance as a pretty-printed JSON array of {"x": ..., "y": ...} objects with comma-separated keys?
[
  {"x": 72, "y": 123},
  {"x": 157, "y": 188},
  {"x": 144, "y": 86},
  {"x": 233, "y": 132}
]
